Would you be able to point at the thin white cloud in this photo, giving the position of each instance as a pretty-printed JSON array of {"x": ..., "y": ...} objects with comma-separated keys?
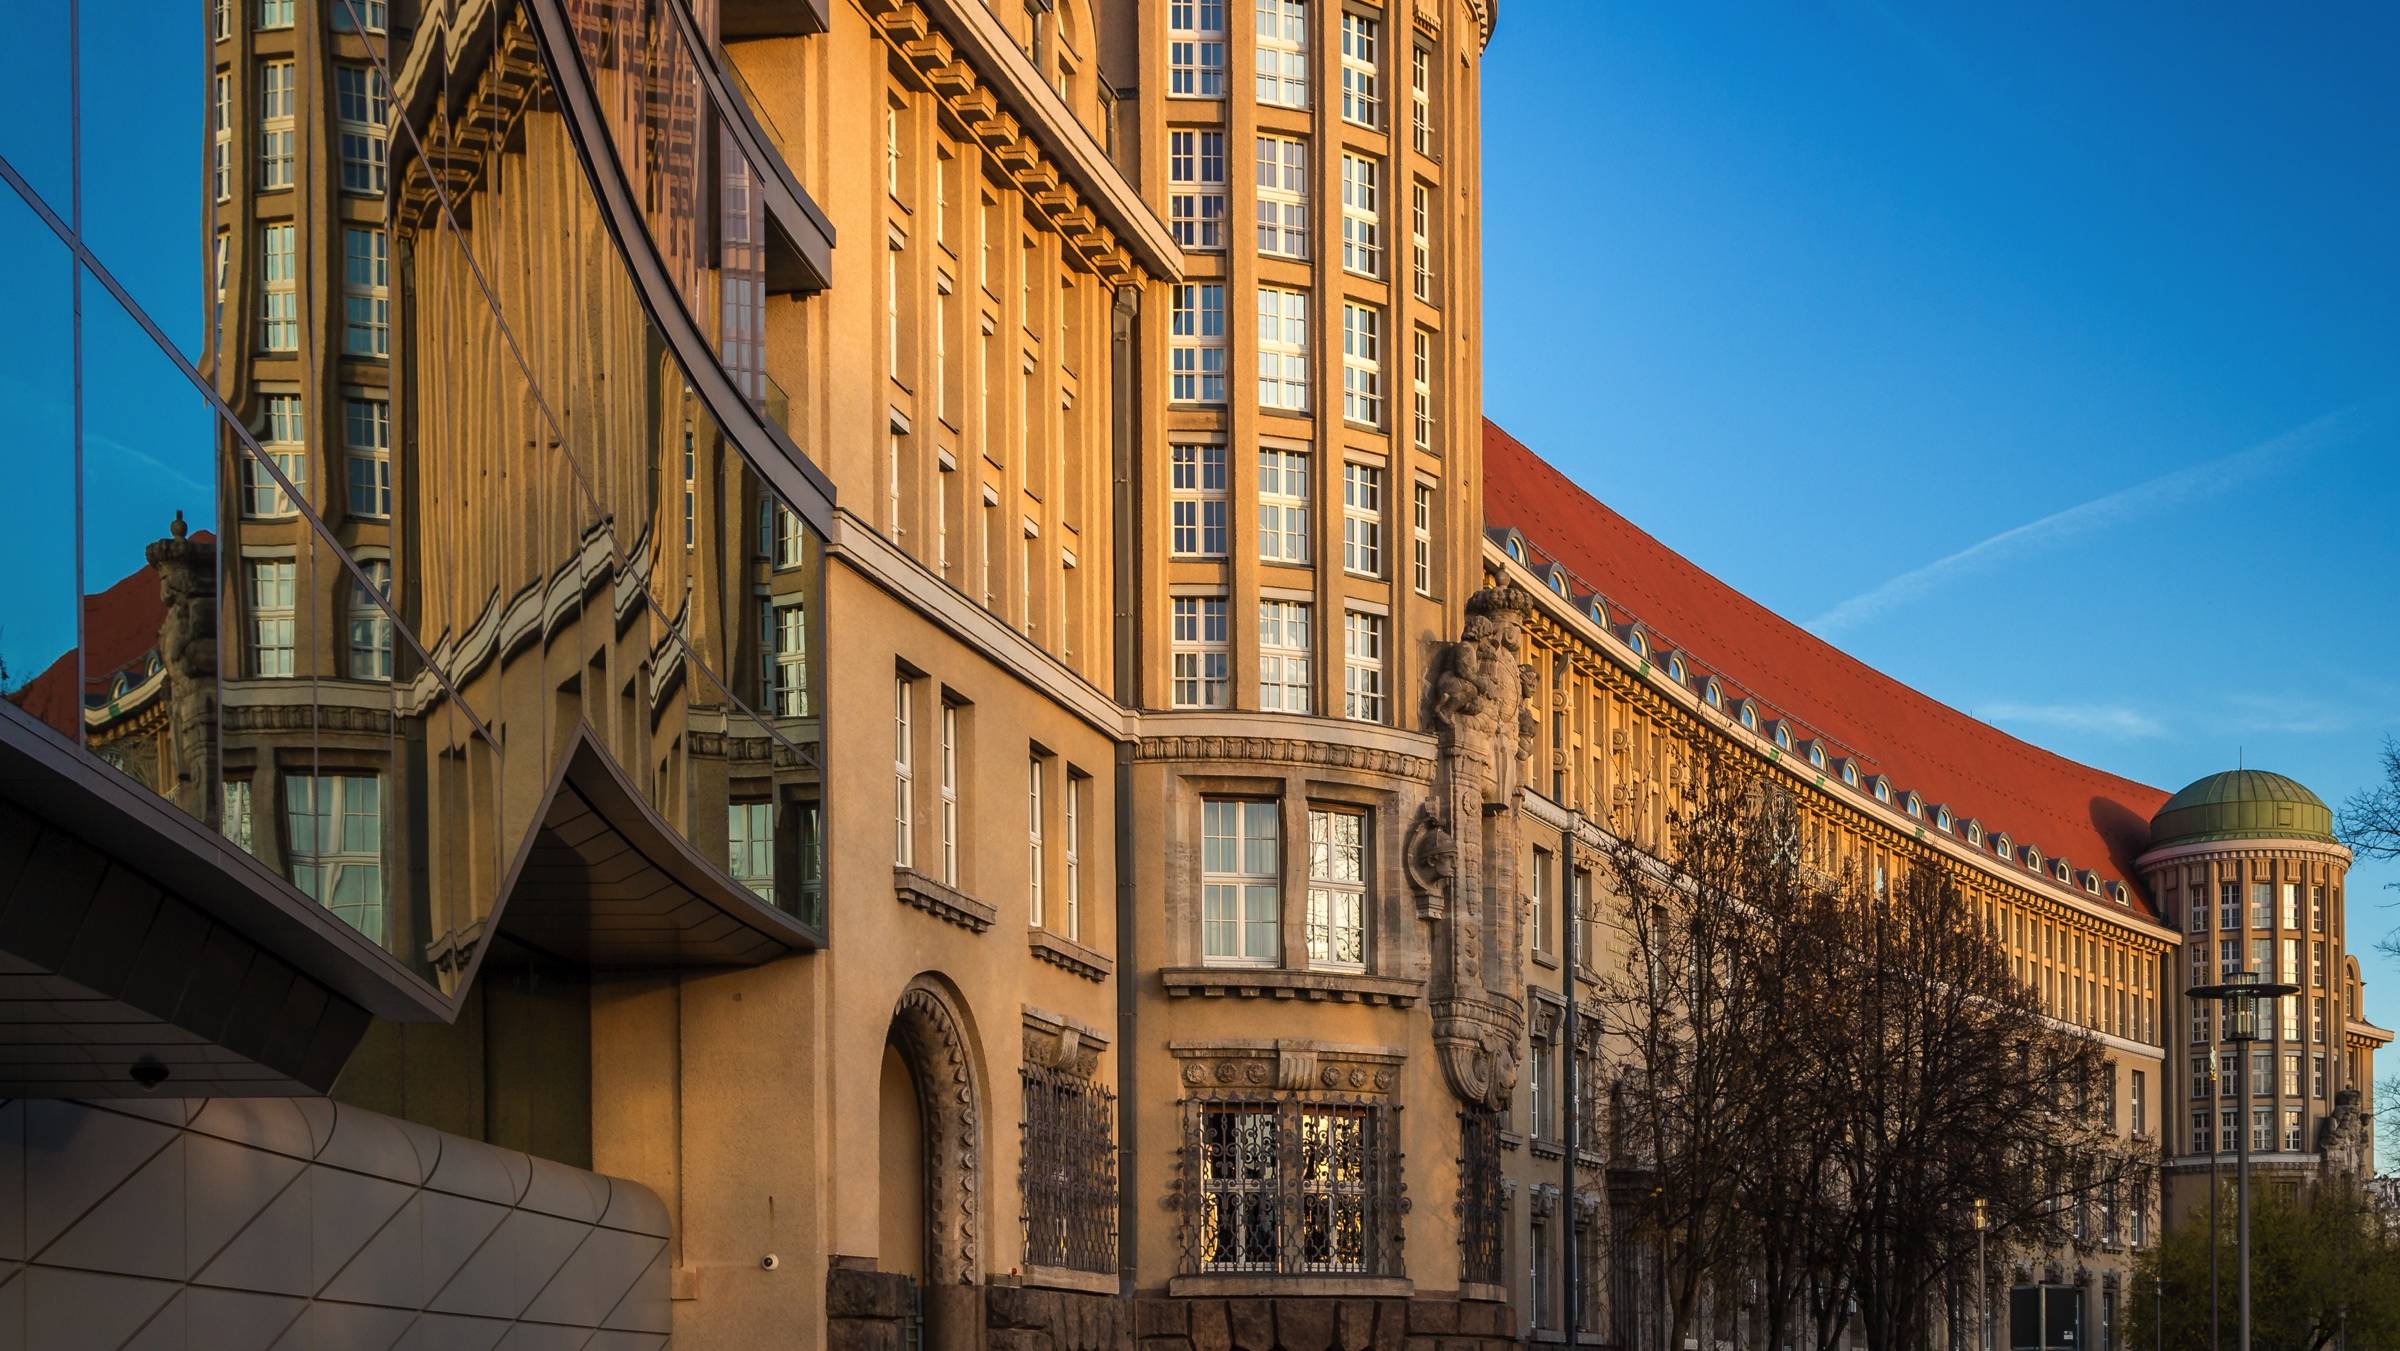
[
  {"x": 2167, "y": 490},
  {"x": 2109, "y": 720}
]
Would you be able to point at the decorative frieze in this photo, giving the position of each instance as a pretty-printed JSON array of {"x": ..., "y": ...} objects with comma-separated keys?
[
  {"x": 1285, "y": 751},
  {"x": 940, "y": 900}
]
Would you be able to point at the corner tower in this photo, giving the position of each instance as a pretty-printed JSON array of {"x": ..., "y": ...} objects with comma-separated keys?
[{"x": 2245, "y": 862}]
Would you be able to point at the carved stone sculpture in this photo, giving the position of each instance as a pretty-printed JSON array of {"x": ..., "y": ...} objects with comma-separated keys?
[
  {"x": 2342, "y": 1140},
  {"x": 1462, "y": 847},
  {"x": 187, "y": 645}
]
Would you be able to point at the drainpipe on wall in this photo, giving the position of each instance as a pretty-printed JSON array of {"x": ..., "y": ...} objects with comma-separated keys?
[{"x": 1123, "y": 362}]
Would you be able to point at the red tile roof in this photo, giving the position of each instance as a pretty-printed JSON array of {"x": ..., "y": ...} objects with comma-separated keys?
[
  {"x": 2091, "y": 818},
  {"x": 120, "y": 630}
]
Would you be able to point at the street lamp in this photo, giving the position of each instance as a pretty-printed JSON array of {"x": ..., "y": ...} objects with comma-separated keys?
[
  {"x": 2239, "y": 996},
  {"x": 1983, "y": 1308}
]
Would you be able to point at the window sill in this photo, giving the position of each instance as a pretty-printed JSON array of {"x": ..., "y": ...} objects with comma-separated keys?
[
  {"x": 1340, "y": 987},
  {"x": 1068, "y": 955},
  {"x": 1544, "y": 959},
  {"x": 1066, "y": 1278},
  {"x": 1270, "y": 1283},
  {"x": 941, "y": 900}
]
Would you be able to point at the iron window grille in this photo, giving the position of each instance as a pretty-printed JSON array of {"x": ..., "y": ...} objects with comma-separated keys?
[
  {"x": 1482, "y": 1210},
  {"x": 1292, "y": 1186},
  {"x": 1067, "y": 1171}
]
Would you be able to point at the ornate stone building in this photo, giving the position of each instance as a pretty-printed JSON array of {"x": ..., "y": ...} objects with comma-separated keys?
[{"x": 749, "y": 726}]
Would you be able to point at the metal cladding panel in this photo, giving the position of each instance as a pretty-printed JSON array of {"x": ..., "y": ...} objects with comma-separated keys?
[{"x": 186, "y": 1223}]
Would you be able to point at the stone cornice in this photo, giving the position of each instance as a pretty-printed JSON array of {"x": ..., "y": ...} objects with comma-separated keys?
[
  {"x": 2243, "y": 849},
  {"x": 1268, "y": 982},
  {"x": 940, "y": 900},
  {"x": 1272, "y": 738}
]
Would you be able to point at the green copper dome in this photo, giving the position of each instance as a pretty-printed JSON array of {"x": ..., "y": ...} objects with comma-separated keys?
[{"x": 2242, "y": 804}]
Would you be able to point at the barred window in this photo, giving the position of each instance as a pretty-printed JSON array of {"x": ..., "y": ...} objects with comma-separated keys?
[
  {"x": 1067, "y": 1171},
  {"x": 1295, "y": 1187},
  {"x": 1482, "y": 1222}
]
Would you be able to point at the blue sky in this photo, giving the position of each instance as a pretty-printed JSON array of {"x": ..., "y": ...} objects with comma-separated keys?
[{"x": 2044, "y": 356}]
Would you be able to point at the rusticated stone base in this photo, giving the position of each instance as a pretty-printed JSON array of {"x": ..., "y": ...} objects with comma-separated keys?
[
  {"x": 865, "y": 1309},
  {"x": 1314, "y": 1323},
  {"x": 1021, "y": 1318}
]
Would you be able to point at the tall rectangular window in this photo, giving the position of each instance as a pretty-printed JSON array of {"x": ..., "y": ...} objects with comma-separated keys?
[
  {"x": 1362, "y": 364},
  {"x": 1362, "y": 215},
  {"x": 1362, "y": 666},
  {"x": 1420, "y": 388},
  {"x": 2291, "y": 905},
  {"x": 1420, "y": 243},
  {"x": 949, "y": 793},
  {"x": 2229, "y": 906},
  {"x": 360, "y": 102},
  {"x": 1362, "y": 84},
  {"x": 1076, "y": 784},
  {"x": 750, "y": 846},
  {"x": 904, "y": 775},
  {"x": 1196, "y": 500},
  {"x": 1202, "y": 662},
  {"x": 279, "y": 305},
  {"x": 1196, "y": 48},
  {"x": 789, "y": 618},
  {"x": 1037, "y": 866},
  {"x": 1240, "y": 880},
  {"x": 1420, "y": 541},
  {"x": 275, "y": 13},
  {"x": 366, "y": 293},
  {"x": 2316, "y": 908},
  {"x": 1420, "y": 100},
  {"x": 221, "y": 136},
  {"x": 1362, "y": 519},
  {"x": 1540, "y": 883},
  {"x": 1197, "y": 343},
  {"x": 1283, "y": 506},
  {"x": 283, "y": 438},
  {"x": 335, "y": 822},
  {"x": 236, "y": 826},
  {"x": 2262, "y": 905},
  {"x": 1196, "y": 188},
  {"x": 273, "y": 621},
  {"x": 1282, "y": 349},
  {"x": 370, "y": 624},
  {"x": 276, "y": 92},
  {"x": 1337, "y": 890},
  {"x": 1282, "y": 196},
  {"x": 1285, "y": 673},
  {"x": 1283, "y": 52},
  {"x": 2141, "y": 1103},
  {"x": 367, "y": 448}
]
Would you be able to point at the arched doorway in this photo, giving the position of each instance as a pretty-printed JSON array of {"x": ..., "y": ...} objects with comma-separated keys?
[{"x": 931, "y": 1213}]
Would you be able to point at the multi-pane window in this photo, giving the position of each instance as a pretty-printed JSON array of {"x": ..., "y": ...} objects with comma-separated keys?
[
  {"x": 2316, "y": 908},
  {"x": 2291, "y": 905},
  {"x": 949, "y": 768},
  {"x": 335, "y": 822},
  {"x": 367, "y": 448},
  {"x": 366, "y": 293},
  {"x": 1239, "y": 1188},
  {"x": 220, "y": 19},
  {"x": 1362, "y": 666},
  {"x": 2262, "y": 905},
  {"x": 1202, "y": 661},
  {"x": 1285, "y": 668},
  {"x": 221, "y": 137},
  {"x": 1196, "y": 500},
  {"x": 370, "y": 623},
  {"x": 2196, "y": 912},
  {"x": 236, "y": 827},
  {"x": 1420, "y": 540},
  {"x": 2202, "y": 1143},
  {"x": 1282, "y": 349},
  {"x": 788, "y": 648},
  {"x": 1362, "y": 88},
  {"x": 1196, "y": 48},
  {"x": 1036, "y": 865},
  {"x": 904, "y": 774},
  {"x": 2316, "y": 1075},
  {"x": 1283, "y": 52},
  {"x": 2141, "y": 1103},
  {"x": 1196, "y": 188},
  {"x": 276, "y": 92},
  {"x": 275, "y": 13},
  {"x": 1362, "y": 363},
  {"x": 2291, "y": 1128},
  {"x": 1282, "y": 196},
  {"x": 750, "y": 846},
  {"x": 279, "y": 307},
  {"x": 1362, "y": 519},
  {"x": 2229, "y": 906},
  {"x": 1197, "y": 343},
  {"x": 1240, "y": 877},
  {"x": 273, "y": 621},
  {"x": 359, "y": 103},
  {"x": 1540, "y": 884},
  {"x": 283, "y": 439},
  {"x": 1283, "y": 506},
  {"x": 1337, "y": 890},
  {"x": 1420, "y": 99},
  {"x": 1362, "y": 215},
  {"x": 1420, "y": 243},
  {"x": 1074, "y": 805},
  {"x": 1420, "y": 388},
  {"x": 2316, "y": 963},
  {"x": 2291, "y": 1074},
  {"x": 373, "y": 16}
]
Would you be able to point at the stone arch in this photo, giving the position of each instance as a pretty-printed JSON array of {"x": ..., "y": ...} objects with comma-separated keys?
[{"x": 931, "y": 1031}]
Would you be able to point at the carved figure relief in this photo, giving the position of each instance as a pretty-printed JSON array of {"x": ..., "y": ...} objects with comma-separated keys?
[{"x": 1462, "y": 846}]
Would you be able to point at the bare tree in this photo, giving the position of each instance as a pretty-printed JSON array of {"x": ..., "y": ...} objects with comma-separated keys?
[{"x": 2370, "y": 823}]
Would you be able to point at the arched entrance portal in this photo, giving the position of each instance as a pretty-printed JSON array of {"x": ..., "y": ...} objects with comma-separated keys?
[{"x": 932, "y": 1219}]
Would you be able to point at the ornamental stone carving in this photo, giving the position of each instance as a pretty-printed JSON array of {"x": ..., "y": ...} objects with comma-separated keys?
[
  {"x": 1462, "y": 847},
  {"x": 187, "y": 645},
  {"x": 927, "y": 1030},
  {"x": 2342, "y": 1140}
]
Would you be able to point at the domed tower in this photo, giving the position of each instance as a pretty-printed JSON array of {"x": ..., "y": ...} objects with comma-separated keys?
[{"x": 2246, "y": 864}]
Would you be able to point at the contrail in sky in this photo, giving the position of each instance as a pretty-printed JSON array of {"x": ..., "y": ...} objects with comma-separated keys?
[{"x": 2167, "y": 490}]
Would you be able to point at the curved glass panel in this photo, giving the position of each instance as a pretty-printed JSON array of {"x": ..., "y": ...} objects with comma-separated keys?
[{"x": 395, "y": 500}]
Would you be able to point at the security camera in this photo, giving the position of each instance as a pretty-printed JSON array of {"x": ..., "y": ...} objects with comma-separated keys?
[{"x": 769, "y": 1262}]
